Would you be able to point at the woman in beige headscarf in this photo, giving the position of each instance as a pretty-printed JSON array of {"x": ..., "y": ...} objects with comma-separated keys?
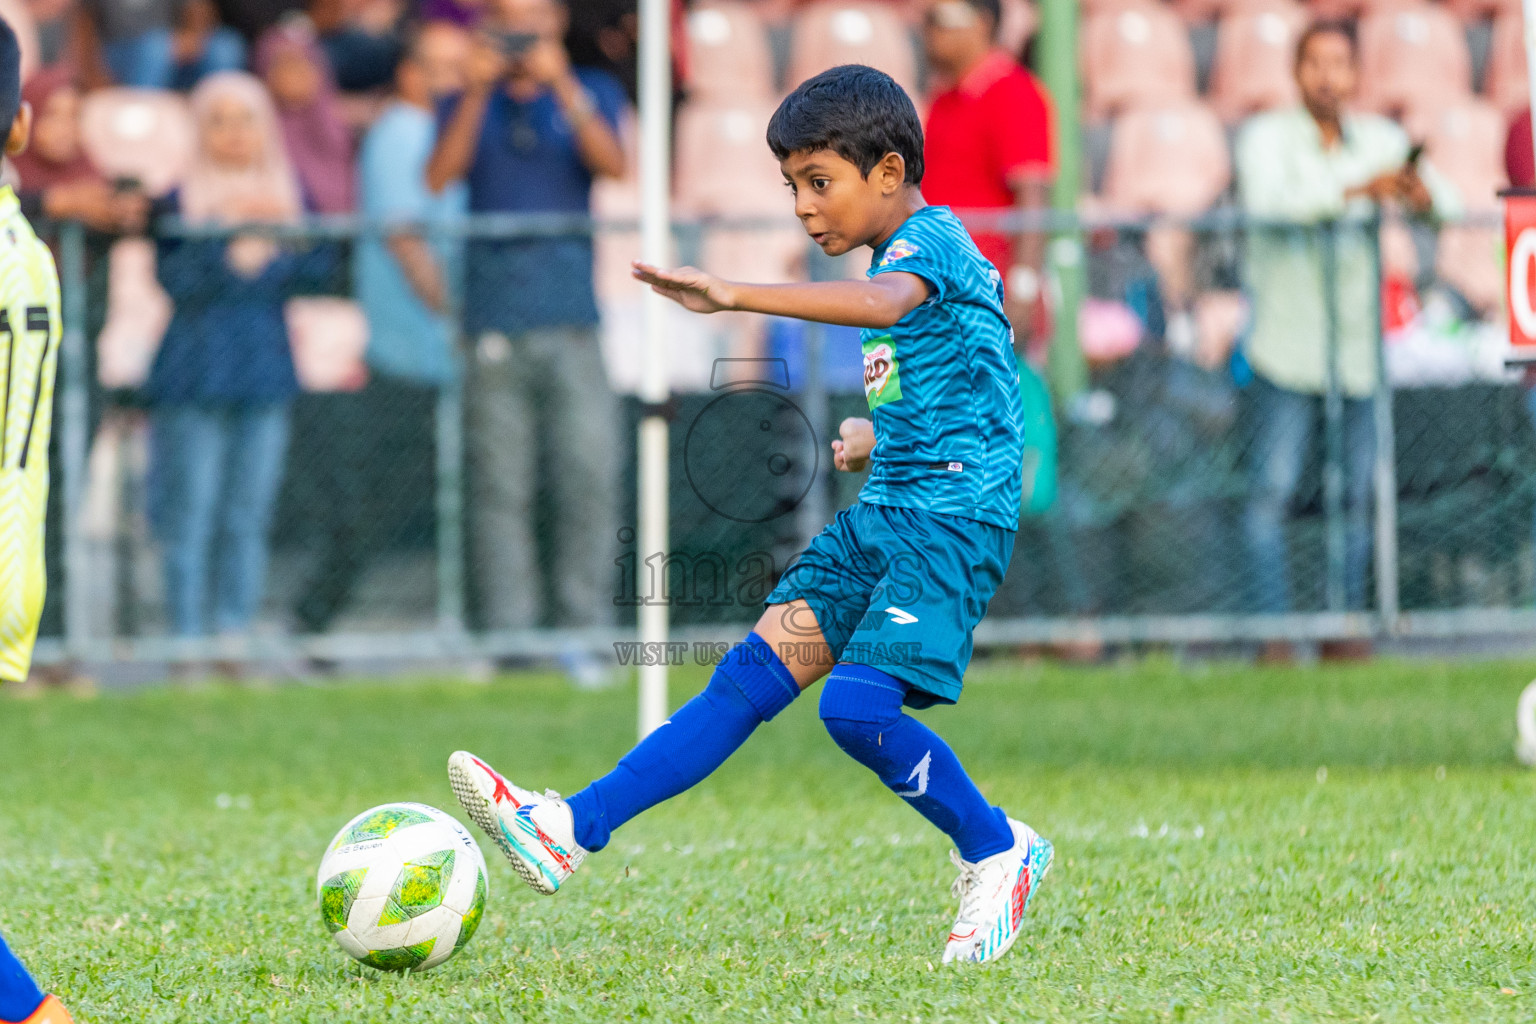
[{"x": 224, "y": 379}]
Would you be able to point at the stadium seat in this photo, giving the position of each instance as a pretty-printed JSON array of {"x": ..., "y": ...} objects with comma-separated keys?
[
  {"x": 728, "y": 53},
  {"x": 1018, "y": 23},
  {"x": 833, "y": 32},
  {"x": 1464, "y": 141},
  {"x": 1137, "y": 55},
  {"x": 1506, "y": 83},
  {"x": 138, "y": 312},
  {"x": 1412, "y": 54},
  {"x": 1167, "y": 159},
  {"x": 19, "y": 16},
  {"x": 138, "y": 133},
  {"x": 1255, "y": 54},
  {"x": 725, "y": 171}
]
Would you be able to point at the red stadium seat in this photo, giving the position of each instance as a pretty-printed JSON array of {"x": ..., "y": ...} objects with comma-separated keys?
[
  {"x": 1412, "y": 54},
  {"x": 728, "y": 53},
  {"x": 1255, "y": 57},
  {"x": 1170, "y": 158},
  {"x": 1506, "y": 85},
  {"x": 1139, "y": 55},
  {"x": 138, "y": 133},
  {"x": 833, "y": 32}
]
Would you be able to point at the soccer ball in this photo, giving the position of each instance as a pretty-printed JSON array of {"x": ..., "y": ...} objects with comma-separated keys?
[
  {"x": 402, "y": 887},
  {"x": 1525, "y": 726}
]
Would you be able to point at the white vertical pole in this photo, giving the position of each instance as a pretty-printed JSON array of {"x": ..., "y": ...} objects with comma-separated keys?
[
  {"x": 1528, "y": 17},
  {"x": 655, "y": 248}
]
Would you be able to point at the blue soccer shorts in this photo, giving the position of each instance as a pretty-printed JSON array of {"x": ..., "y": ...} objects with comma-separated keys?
[{"x": 900, "y": 590}]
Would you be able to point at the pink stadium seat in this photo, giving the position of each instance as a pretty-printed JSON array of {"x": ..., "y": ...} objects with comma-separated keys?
[
  {"x": 1167, "y": 159},
  {"x": 832, "y": 32},
  {"x": 1137, "y": 55},
  {"x": 1464, "y": 140},
  {"x": 1506, "y": 82},
  {"x": 728, "y": 53},
  {"x": 1412, "y": 54},
  {"x": 138, "y": 133},
  {"x": 19, "y": 16},
  {"x": 1255, "y": 54},
  {"x": 1018, "y": 23},
  {"x": 138, "y": 312},
  {"x": 725, "y": 170}
]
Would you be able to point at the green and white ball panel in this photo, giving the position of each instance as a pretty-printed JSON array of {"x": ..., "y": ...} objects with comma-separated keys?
[{"x": 402, "y": 886}]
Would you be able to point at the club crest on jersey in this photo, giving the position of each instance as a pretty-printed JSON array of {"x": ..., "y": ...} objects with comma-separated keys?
[
  {"x": 898, "y": 250},
  {"x": 882, "y": 375}
]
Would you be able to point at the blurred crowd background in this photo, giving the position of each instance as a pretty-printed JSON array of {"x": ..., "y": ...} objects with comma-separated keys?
[{"x": 336, "y": 385}]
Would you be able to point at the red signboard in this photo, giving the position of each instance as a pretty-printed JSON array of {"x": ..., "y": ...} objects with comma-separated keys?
[{"x": 1520, "y": 244}]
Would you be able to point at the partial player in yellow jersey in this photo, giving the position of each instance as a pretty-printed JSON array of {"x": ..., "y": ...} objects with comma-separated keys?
[{"x": 29, "y": 349}]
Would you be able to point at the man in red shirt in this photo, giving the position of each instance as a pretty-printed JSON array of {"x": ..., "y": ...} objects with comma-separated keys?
[{"x": 989, "y": 144}]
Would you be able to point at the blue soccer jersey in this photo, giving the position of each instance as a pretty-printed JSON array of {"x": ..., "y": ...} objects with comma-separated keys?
[{"x": 943, "y": 383}]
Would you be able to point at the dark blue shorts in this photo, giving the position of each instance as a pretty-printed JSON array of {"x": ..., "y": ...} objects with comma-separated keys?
[{"x": 900, "y": 590}]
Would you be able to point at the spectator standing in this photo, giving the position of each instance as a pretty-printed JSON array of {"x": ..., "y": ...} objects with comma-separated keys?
[
  {"x": 402, "y": 281},
  {"x": 529, "y": 134},
  {"x": 223, "y": 380},
  {"x": 316, "y": 137},
  {"x": 989, "y": 144},
  {"x": 1306, "y": 165},
  {"x": 154, "y": 44},
  {"x": 361, "y": 39}
]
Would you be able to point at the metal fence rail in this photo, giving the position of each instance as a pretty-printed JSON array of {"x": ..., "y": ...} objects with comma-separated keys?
[{"x": 1149, "y": 538}]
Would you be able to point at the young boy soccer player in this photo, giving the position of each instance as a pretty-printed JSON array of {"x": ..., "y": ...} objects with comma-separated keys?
[
  {"x": 29, "y": 338},
  {"x": 885, "y": 597}
]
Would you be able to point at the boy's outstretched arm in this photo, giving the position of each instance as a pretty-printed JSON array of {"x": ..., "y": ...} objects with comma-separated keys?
[{"x": 875, "y": 303}]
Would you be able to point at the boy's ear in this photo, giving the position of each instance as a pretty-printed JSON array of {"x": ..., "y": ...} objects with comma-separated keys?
[
  {"x": 21, "y": 130},
  {"x": 892, "y": 169}
]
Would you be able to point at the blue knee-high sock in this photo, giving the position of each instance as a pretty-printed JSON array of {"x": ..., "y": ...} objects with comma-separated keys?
[
  {"x": 861, "y": 708},
  {"x": 19, "y": 994},
  {"x": 749, "y": 687}
]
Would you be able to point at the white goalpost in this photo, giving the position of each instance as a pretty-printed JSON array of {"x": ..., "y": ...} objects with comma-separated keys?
[{"x": 655, "y": 248}]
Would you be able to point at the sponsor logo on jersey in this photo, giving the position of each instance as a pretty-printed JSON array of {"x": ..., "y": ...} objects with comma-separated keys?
[
  {"x": 898, "y": 250},
  {"x": 882, "y": 375}
]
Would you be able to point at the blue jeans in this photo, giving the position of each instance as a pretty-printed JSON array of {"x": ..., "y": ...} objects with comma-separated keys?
[
  {"x": 1284, "y": 425},
  {"x": 146, "y": 61},
  {"x": 214, "y": 476}
]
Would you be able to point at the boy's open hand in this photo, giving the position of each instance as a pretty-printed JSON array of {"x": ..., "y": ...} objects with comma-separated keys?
[
  {"x": 687, "y": 286},
  {"x": 851, "y": 454}
]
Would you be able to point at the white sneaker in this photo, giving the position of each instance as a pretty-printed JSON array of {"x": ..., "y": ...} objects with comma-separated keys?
[
  {"x": 535, "y": 832},
  {"x": 993, "y": 894}
]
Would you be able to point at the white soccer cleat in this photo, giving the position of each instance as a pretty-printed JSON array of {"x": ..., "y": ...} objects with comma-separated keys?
[
  {"x": 993, "y": 894},
  {"x": 535, "y": 832}
]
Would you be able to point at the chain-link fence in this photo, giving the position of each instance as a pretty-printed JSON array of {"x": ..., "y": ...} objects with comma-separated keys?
[{"x": 241, "y": 471}]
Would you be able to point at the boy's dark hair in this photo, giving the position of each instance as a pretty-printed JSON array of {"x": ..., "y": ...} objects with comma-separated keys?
[
  {"x": 1327, "y": 27},
  {"x": 857, "y": 112},
  {"x": 10, "y": 77}
]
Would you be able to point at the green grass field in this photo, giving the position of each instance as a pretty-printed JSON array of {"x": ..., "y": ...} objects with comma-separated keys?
[{"x": 1233, "y": 844}]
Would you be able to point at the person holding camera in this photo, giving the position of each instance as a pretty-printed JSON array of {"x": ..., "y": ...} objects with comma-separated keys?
[{"x": 529, "y": 134}]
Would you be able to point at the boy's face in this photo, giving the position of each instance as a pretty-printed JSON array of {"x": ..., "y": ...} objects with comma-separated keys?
[{"x": 841, "y": 208}]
